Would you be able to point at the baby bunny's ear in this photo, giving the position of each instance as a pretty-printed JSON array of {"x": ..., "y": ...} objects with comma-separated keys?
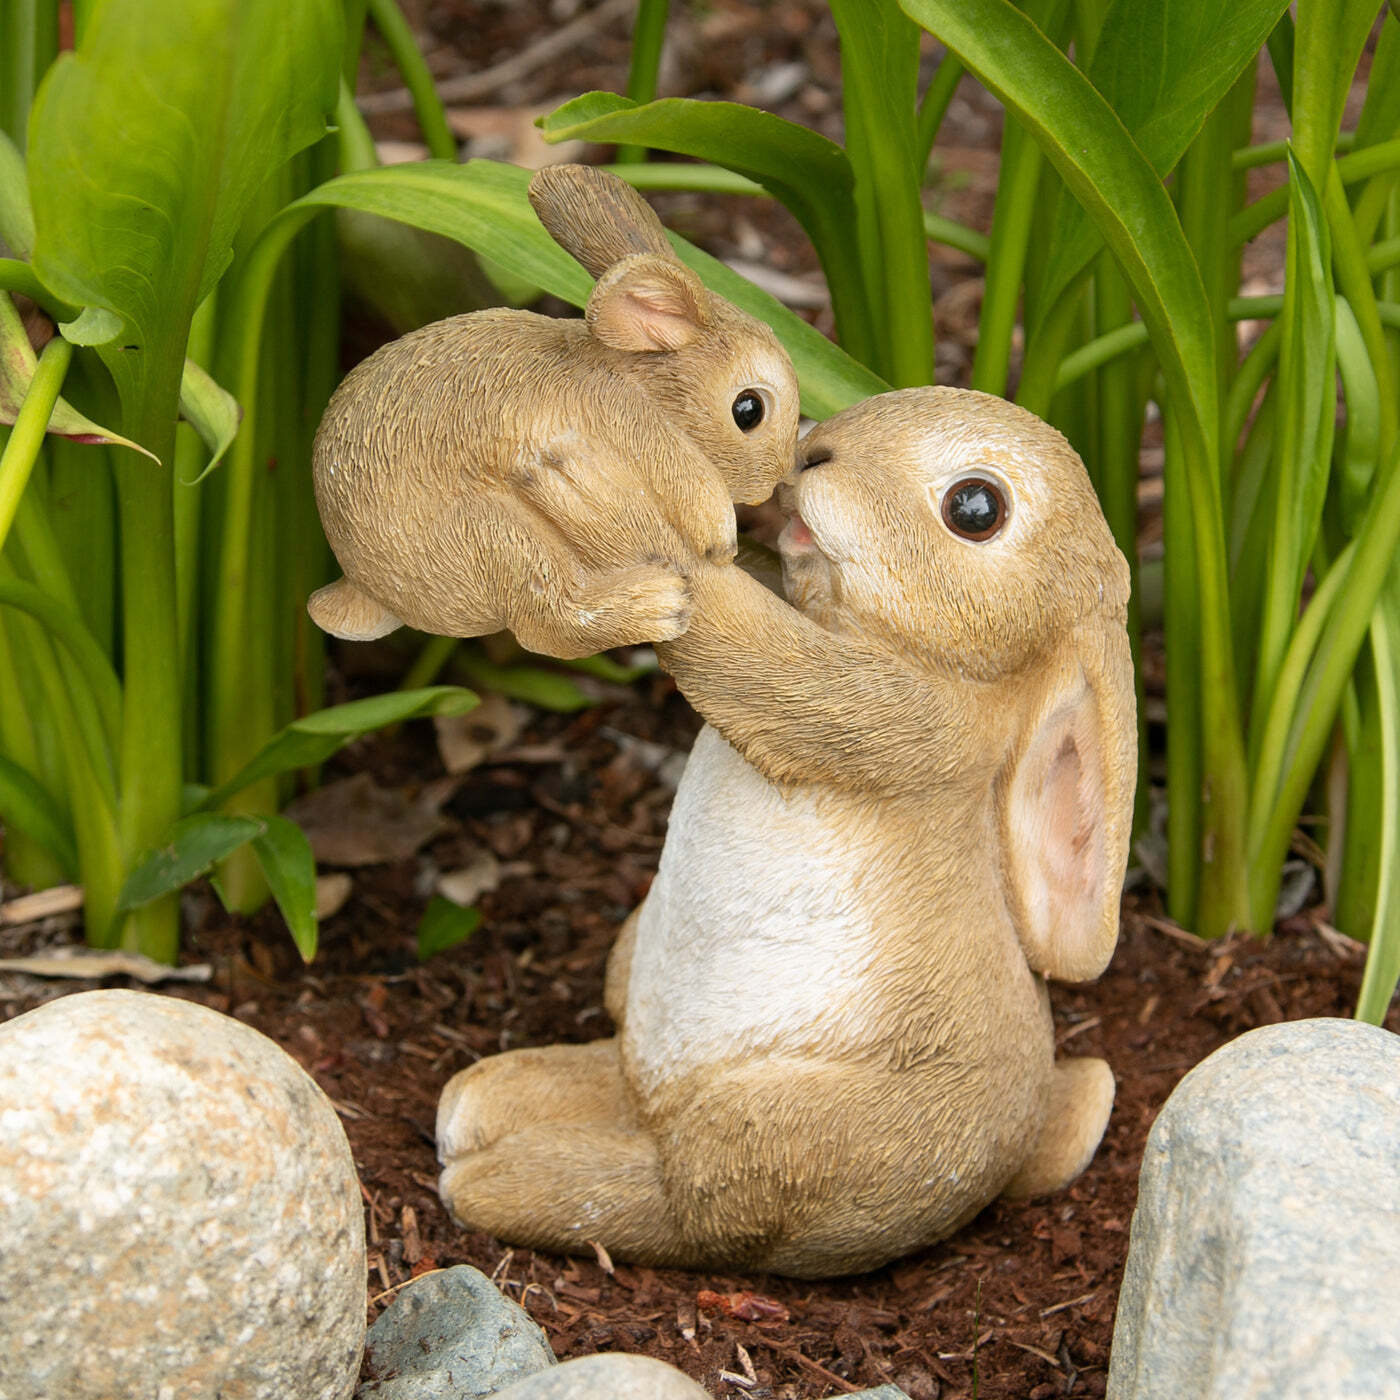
[
  {"x": 1067, "y": 810},
  {"x": 595, "y": 217},
  {"x": 647, "y": 303}
]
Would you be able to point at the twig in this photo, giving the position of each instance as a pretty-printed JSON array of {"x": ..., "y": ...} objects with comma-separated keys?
[
  {"x": 793, "y": 1354},
  {"x": 471, "y": 87},
  {"x": 1069, "y": 1303}
]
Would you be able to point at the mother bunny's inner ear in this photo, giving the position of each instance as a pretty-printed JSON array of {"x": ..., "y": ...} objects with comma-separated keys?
[{"x": 647, "y": 304}]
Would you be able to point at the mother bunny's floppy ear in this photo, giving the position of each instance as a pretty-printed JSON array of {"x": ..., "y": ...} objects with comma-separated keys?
[
  {"x": 1066, "y": 804},
  {"x": 595, "y": 217}
]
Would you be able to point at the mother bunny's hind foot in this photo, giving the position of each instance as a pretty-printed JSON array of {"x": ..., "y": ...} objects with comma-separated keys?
[
  {"x": 554, "y": 1084},
  {"x": 1081, "y": 1098},
  {"x": 565, "y": 1187}
]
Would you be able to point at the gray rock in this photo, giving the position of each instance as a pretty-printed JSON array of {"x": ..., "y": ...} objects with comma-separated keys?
[
  {"x": 1265, "y": 1252},
  {"x": 614, "y": 1375},
  {"x": 451, "y": 1335},
  {"x": 181, "y": 1214}
]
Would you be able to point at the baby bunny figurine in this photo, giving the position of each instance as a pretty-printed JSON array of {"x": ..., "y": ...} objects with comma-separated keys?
[
  {"x": 508, "y": 470},
  {"x": 910, "y": 807}
]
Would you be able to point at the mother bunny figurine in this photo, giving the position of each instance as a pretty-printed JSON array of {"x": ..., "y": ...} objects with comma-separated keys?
[{"x": 910, "y": 806}]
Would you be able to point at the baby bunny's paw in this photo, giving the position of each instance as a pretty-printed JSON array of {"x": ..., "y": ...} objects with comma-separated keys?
[{"x": 650, "y": 602}]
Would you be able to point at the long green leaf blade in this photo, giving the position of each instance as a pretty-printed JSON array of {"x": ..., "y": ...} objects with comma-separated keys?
[
  {"x": 26, "y": 806},
  {"x": 284, "y": 853},
  {"x": 311, "y": 740},
  {"x": 195, "y": 846},
  {"x": 1383, "y": 960},
  {"x": 1162, "y": 65}
]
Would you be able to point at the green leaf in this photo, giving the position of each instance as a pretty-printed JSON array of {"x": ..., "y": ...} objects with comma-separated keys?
[
  {"x": 16, "y": 217},
  {"x": 289, "y": 867},
  {"x": 93, "y": 325},
  {"x": 480, "y": 203},
  {"x": 26, "y": 806},
  {"x": 483, "y": 205},
  {"x": 17, "y": 365},
  {"x": 444, "y": 925},
  {"x": 147, "y": 144},
  {"x": 1306, "y": 423},
  {"x": 196, "y": 844},
  {"x": 1382, "y": 972},
  {"x": 1162, "y": 65},
  {"x": 533, "y": 684},
  {"x": 311, "y": 740},
  {"x": 211, "y": 410},
  {"x": 810, "y": 175}
]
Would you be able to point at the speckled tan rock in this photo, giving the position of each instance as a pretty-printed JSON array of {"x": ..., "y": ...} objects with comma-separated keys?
[{"x": 179, "y": 1212}]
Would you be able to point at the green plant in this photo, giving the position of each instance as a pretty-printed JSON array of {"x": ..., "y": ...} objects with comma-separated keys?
[{"x": 1115, "y": 246}]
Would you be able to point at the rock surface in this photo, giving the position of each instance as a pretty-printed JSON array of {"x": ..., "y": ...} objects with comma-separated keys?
[
  {"x": 1265, "y": 1252},
  {"x": 613, "y": 1375},
  {"x": 182, "y": 1218},
  {"x": 451, "y": 1335}
]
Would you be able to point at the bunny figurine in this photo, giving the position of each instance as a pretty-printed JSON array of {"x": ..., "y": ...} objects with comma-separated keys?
[
  {"x": 507, "y": 470},
  {"x": 910, "y": 806}
]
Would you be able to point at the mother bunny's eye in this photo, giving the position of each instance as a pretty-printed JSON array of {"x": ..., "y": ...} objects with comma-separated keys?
[
  {"x": 974, "y": 508},
  {"x": 748, "y": 409}
]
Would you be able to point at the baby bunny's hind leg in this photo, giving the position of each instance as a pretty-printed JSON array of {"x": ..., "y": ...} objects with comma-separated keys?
[
  {"x": 562, "y": 1186},
  {"x": 501, "y": 1094},
  {"x": 1081, "y": 1098}
]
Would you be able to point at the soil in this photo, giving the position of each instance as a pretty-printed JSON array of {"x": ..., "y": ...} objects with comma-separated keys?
[{"x": 1021, "y": 1302}]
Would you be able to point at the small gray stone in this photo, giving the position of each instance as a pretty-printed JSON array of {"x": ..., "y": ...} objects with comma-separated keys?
[
  {"x": 181, "y": 1215},
  {"x": 1265, "y": 1251},
  {"x": 451, "y": 1335},
  {"x": 881, "y": 1392},
  {"x": 614, "y": 1375}
]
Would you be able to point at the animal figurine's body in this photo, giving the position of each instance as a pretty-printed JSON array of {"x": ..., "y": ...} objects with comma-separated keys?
[
  {"x": 509, "y": 470},
  {"x": 911, "y": 805}
]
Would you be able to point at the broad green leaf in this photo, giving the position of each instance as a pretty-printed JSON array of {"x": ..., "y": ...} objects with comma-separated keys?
[
  {"x": 17, "y": 365},
  {"x": 1330, "y": 37},
  {"x": 211, "y": 410},
  {"x": 1383, "y": 960},
  {"x": 311, "y": 740},
  {"x": 26, "y": 806},
  {"x": 1162, "y": 65},
  {"x": 444, "y": 925},
  {"x": 284, "y": 853},
  {"x": 482, "y": 204},
  {"x": 147, "y": 144},
  {"x": 196, "y": 844}
]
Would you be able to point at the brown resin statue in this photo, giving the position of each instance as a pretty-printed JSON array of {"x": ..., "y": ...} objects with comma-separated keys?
[
  {"x": 508, "y": 470},
  {"x": 910, "y": 806}
]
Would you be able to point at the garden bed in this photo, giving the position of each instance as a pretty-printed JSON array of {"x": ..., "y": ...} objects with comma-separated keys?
[{"x": 1022, "y": 1300}]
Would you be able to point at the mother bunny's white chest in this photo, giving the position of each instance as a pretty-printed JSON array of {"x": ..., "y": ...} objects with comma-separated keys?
[{"x": 755, "y": 933}]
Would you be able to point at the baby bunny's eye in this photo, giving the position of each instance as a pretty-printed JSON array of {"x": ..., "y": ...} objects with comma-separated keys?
[
  {"x": 748, "y": 409},
  {"x": 974, "y": 508}
]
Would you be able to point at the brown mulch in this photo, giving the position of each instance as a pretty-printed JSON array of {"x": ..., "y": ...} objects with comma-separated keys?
[{"x": 1019, "y": 1304}]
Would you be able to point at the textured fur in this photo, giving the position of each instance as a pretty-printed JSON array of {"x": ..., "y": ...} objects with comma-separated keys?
[
  {"x": 834, "y": 1039},
  {"x": 507, "y": 470}
]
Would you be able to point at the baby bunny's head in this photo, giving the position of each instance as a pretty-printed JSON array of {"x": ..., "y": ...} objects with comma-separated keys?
[
  {"x": 951, "y": 525},
  {"x": 714, "y": 372}
]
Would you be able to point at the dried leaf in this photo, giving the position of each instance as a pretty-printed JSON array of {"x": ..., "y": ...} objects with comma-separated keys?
[
  {"x": 467, "y": 740},
  {"x": 82, "y": 965},
  {"x": 356, "y": 822},
  {"x": 746, "y": 1306},
  {"x": 467, "y": 885}
]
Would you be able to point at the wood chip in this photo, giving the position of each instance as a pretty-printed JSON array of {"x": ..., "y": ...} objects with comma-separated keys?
[
  {"x": 83, "y": 965},
  {"x": 605, "y": 1262},
  {"x": 44, "y": 904}
]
